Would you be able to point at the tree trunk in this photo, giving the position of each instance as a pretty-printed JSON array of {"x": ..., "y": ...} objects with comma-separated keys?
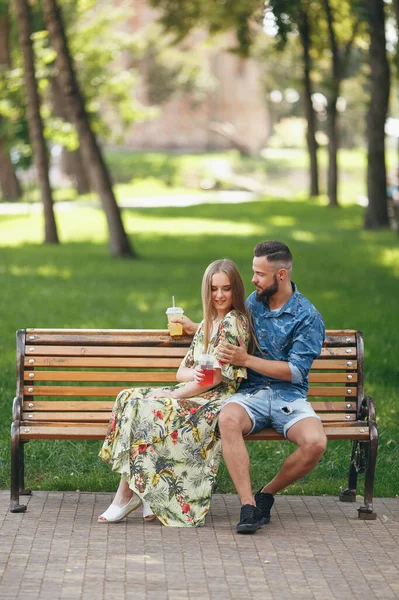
[
  {"x": 72, "y": 163},
  {"x": 309, "y": 112},
  {"x": 11, "y": 190},
  {"x": 377, "y": 209},
  {"x": 5, "y": 55},
  {"x": 332, "y": 115},
  {"x": 35, "y": 124},
  {"x": 91, "y": 152},
  {"x": 333, "y": 145}
]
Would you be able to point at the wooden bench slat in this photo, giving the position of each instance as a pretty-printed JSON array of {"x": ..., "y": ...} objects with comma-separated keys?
[
  {"x": 89, "y": 424},
  {"x": 333, "y": 378},
  {"x": 348, "y": 406},
  {"x": 114, "y": 376},
  {"x": 155, "y": 360},
  {"x": 339, "y": 339},
  {"x": 101, "y": 332},
  {"x": 152, "y": 362},
  {"x": 68, "y": 424},
  {"x": 103, "y": 417},
  {"x": 154, "y": 376},
  {"x": 76, "y": 390},
  {"x": 349, "y": 352},
  {"x": 106, "y": 406},
  {"x": 73, "y": 431},
  {"x": 324, "y": 364},
  {"x": 68, "y": 405},
  {"x": 57, "y": 417},
  {"x": 139, "y": 338},
  {"x": 333, "y": 433},
  {"x": 83, "y": 390},
  {"x": 63, "y": 432},
  {"x": 332, "y": 391},
  {"x": 50, "y": 331},
  {"x": 81, "y": 350},
  {"x": 337, "y": 417},
  {"x": 86, "y": 351}
]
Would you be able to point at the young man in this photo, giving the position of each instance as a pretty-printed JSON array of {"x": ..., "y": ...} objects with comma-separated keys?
[{"x": 290, "y": 333}]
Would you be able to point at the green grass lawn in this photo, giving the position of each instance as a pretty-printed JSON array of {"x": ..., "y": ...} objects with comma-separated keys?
[{"x": 352, "y": 276}]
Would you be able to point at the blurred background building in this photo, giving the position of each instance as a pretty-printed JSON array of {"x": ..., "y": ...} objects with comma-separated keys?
[{"x": 231, "y": 112}]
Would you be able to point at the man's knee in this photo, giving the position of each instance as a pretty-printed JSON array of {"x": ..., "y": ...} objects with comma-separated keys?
[
  {"x": 309, "y": 435},
  {"x": 233, "y": 419},
  {"x": 315, "y": 445}
]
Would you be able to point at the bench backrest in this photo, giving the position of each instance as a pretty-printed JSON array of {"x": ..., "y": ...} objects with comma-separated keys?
[{"x": 74, "y": 375}]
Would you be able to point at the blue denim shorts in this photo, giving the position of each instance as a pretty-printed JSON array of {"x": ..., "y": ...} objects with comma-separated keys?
[{"x": 267, "y": 408}]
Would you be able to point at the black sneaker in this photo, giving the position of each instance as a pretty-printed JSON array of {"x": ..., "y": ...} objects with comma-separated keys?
[
  {"x": 250, "y": 519},
  {"x": 264, "y": 502}
]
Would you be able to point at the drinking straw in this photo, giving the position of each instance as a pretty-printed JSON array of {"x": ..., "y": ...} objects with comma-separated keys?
[{"x": 173, "y": 301}]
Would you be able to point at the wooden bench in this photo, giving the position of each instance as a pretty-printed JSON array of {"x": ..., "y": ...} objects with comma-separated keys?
[{"x": 67, "y": 380}]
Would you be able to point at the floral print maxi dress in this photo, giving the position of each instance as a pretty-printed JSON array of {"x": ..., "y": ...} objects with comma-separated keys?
[{"x": 168, "y": 449}]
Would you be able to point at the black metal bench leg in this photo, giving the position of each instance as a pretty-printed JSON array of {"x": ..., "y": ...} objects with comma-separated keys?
[
  {"x": 15, "y": 506},
  {"x": 366, "y": 512},
  {"x": 349, "y": 494},
  {"x": 22, "y": 489}
]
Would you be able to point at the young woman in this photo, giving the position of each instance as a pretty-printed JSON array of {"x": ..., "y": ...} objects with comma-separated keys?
[{"x": 164, "y": 441}]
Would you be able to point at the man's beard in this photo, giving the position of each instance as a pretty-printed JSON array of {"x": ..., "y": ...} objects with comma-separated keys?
[{"x": 268, "y": 292}]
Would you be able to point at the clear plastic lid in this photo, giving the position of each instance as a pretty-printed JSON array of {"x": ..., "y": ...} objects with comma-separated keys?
[
  {"x": 175, "y": 310},
  {"x": 207, "y": 361}
]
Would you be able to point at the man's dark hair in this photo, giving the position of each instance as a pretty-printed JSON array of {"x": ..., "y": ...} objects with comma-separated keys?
[{"x": 275, "y": 252}]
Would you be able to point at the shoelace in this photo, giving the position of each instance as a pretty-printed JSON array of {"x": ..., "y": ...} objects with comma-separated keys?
[{"x": 247, "y": 512}]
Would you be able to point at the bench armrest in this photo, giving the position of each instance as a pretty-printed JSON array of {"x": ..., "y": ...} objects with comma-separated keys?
[
  {"x": 17, "y": 409},
  {"x": 367, "y": 410}
]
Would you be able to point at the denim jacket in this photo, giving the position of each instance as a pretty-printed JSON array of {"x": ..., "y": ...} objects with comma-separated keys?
[{"x": 293, "y": 333}]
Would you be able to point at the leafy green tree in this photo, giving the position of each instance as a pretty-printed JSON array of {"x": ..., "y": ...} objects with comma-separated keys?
[
  {"x": 291, "y": 17},
  {"x": 99, "y": 47},
  {"x": 179, "y": 17},
  {"x": 245, "y": 18},
  {"x": 75, "y": 105},
  {"x": 343, "y": 27}
]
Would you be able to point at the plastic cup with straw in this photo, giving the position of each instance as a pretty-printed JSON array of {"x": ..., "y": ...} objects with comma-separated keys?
[
  {"x": 174, "y": 312},
  {"x": 207, "y": 364}
]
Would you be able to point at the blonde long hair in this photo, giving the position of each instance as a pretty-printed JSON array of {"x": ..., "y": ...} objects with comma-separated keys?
[{"x": 227, "y": 266}]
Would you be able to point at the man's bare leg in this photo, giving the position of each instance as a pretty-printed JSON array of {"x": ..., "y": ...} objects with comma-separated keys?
[
  {"x": 234, "y": 422},
  {"x": 309, "y": 435}
]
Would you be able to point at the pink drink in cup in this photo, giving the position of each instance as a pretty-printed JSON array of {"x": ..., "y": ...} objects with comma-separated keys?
[
  {"x": 207, "y": 364},
  {"x": 208, "y": 376}
]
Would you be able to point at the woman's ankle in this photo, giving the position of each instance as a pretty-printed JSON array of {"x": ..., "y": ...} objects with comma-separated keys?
[{"x": 123, "y": 494}]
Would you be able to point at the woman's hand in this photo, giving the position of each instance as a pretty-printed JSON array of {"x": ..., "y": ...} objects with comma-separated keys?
[
  {"x": 233, "y": 355},
  {"x": 188, "y": 325},
  {"x": 198, "y": 374}
]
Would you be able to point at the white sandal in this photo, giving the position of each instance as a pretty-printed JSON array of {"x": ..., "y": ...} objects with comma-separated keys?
[
  {"x": 115, "y": 513},
  {"x": 148, "y": 515}
]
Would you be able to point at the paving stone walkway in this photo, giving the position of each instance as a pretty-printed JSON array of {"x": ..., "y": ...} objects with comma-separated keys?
[{"x": 314, "y": 547}]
